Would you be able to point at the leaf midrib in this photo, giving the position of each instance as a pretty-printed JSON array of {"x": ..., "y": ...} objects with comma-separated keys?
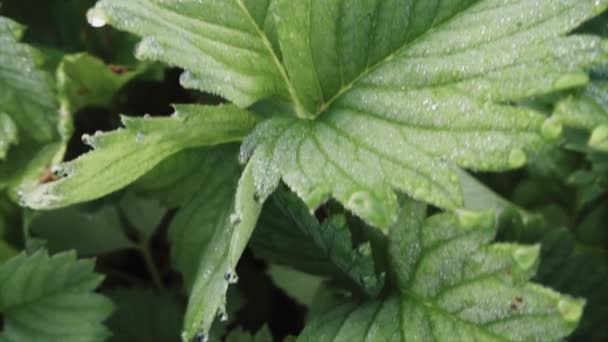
[{"x": 300, "y": 111}]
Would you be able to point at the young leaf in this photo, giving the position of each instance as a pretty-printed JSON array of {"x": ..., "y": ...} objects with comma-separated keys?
[
  {"x": 288, "y": 234},
  {"x": 46, "y": 298},
  {"x": 122, "y": 156},
  {"x": 27, "y": 94},
  {"x": 454, "y": 285},
  {"x": 403, "y": 90},
  {"x": 223, "y": 45},
  {"x": 208, "y": 236}
]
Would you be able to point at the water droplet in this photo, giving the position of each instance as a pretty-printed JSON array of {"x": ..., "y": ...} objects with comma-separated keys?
[
  {"x": 139, "y": 137},
  {"x": 87, "y": 140},
  {"x": 235, "y": 219},
  {"x": 231, "y": 277},
  {"x": 201, "y": 337},
  {"x": 147, "y": 116},
  {"x": 222, "y": 316},
  {"x": 97, "y": 17}
]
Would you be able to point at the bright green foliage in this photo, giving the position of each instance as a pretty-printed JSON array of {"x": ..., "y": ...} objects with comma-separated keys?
[
  {"x": 398, "y": 101},
  {"x": 27, "y": 94},
  {"x": 123, "y": 156},
  {"x": 454, "y": 285},
  {"x": 288, "y": 235},
  {"x": 46, "y": 298},
  {"x": 222, "y": 44},
  {"x": 84, "y": 80},
  {"x": 397, "y": 109},
  {"x": 208, "y": 237}
]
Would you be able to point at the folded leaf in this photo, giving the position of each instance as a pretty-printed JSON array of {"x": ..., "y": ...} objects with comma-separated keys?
[
  {"x": 27, "y": 94},
  {"x": 46, "y": 298},
  {"x": 454, "y": 285},
  {"x": 404, "y": 90},
  {"x": 208, "y": 236},
  {"x": 122, "y": 156}
]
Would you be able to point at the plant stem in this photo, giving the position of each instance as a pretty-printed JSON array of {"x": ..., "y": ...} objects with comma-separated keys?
[{"x": 150, "y": 265}]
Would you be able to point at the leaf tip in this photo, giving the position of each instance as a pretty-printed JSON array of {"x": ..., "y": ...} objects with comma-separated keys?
[
  {"x": 473, "y": 219},
  {"x": 599, "y": 138},
  {"x": 573, "y": 80},
  {"x": 552, "y": 129},
  {"x": 517, "y": 158},
  {"x": 571, "y": 309},
  {"x": 526, "y": 257}
]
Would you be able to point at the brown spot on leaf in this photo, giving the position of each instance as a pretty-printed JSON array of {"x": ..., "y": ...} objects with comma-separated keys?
[
  {"x": 117, "y": 69},
  {"x": 47, "y": 176},
  {"x": 83, "y": 91}
]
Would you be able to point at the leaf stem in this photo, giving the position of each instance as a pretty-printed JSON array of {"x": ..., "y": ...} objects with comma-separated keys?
[{"x": 144, "y": 249}]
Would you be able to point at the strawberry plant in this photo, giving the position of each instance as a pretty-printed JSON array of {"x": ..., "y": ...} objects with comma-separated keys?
[{"x": 305, "y": 170}]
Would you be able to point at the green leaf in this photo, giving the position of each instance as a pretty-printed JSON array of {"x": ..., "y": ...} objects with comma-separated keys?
[
  {"x": 298, "y": 285},
  {"x": 84, "y": 80},
  {"x": 8, "y": 134},
  {"x": 400, "y": 101},
  {"x": 452, "y": 284},
  {"x": 289, "y": 235},
  {"x": 143, "y": 215},
  {"x": 223, "y": 45},
  {"x": 208, "y": 236},
  {"x": 177, "y": 179},
  {"x": 580, "y": 271},
  {"x": 588, "y": 110},
  {"x": 239, "y": 335},
  {"x": 46, "y": 298},
  {"x": 27, "y": 94},
  {"x": 89, "y": 233},
  {"x": 145, "y": 315},
  {"x": 122, "y": 156}
]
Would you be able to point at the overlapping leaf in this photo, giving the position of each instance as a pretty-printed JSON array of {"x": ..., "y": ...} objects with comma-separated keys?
[
  {"x": 588, "y": 110},
  {"x": 208, "y": 236},
  {"x": 288, "y": 235},
  {"x": 222, "y": 44},
  {"x": 454, "y": 285},
  {"x": 46, "y": 298},
  {"x": 122, "y": 156},
  {"x": 400, "y": 101}
]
